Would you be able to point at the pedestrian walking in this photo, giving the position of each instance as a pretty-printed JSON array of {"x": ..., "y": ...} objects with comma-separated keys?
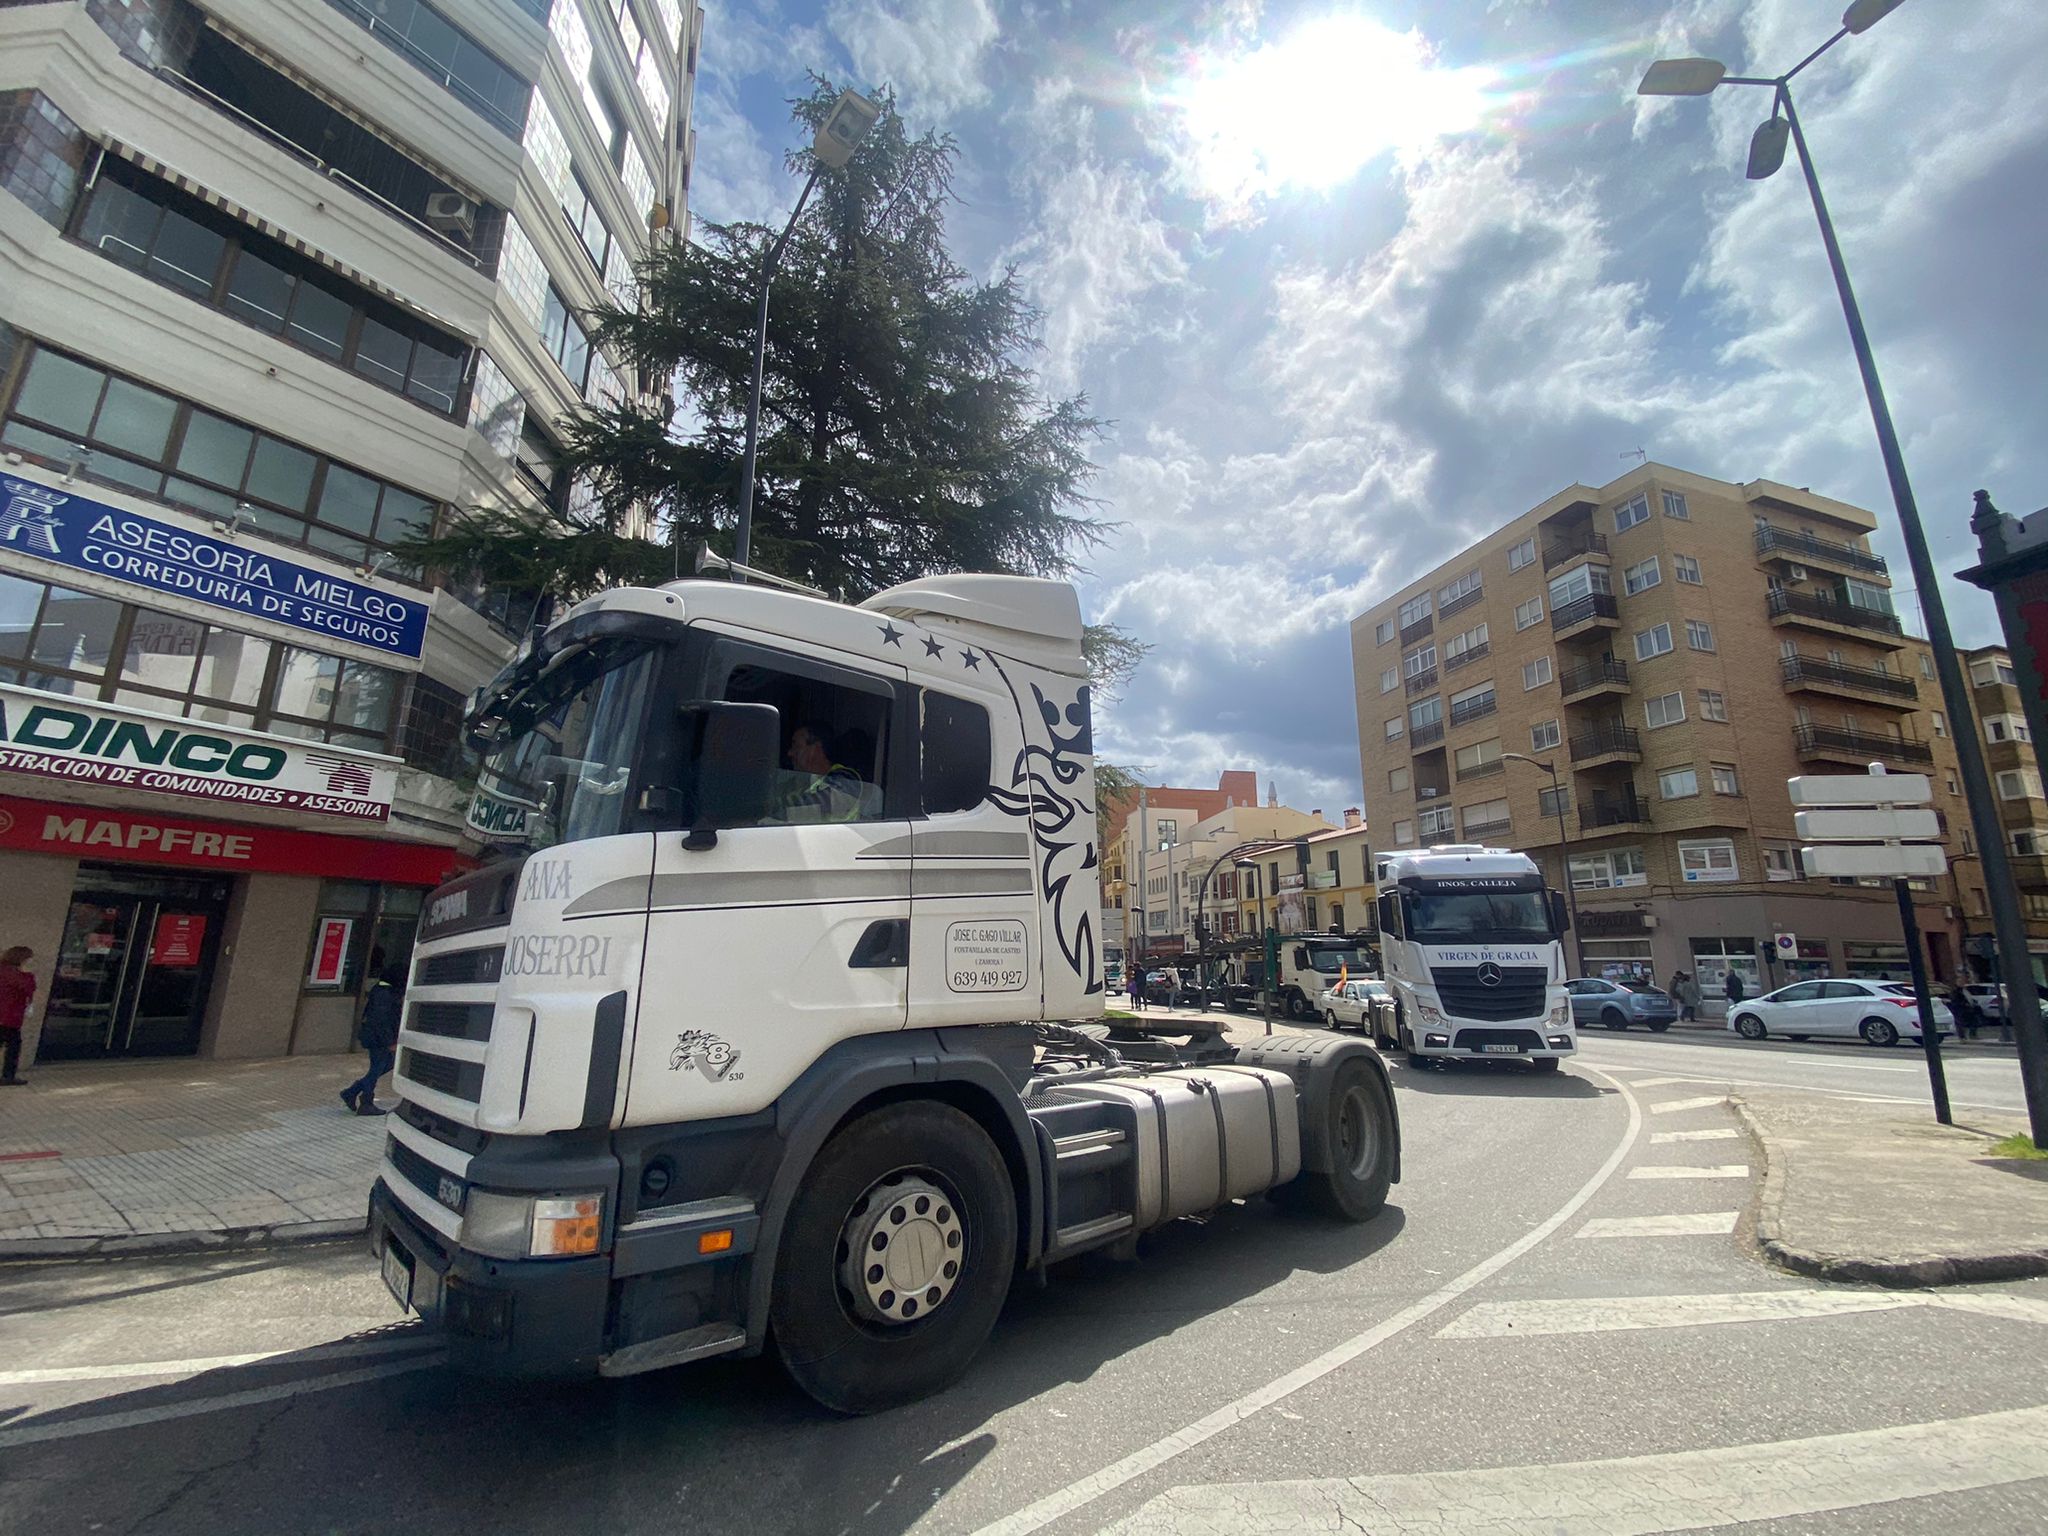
[
  {"x": 381, "y": 1013},
  {"x": 1688, "y": 994},
  {"x": 17, "y": 990},
  {"x": 1960, "y": 1004},
  {"x": 1733, "y": 989},
  {"x": 1137, "y": 980}
]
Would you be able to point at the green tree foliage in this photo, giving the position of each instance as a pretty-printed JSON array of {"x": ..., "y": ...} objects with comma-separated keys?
[{"x": 902, "y": 429}]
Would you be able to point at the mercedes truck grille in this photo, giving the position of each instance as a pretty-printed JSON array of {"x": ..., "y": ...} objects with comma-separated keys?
[{"x": 1516, "y": 992}]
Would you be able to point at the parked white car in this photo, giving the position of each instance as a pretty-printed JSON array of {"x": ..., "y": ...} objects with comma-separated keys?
[
  {"x": 1354, "y": 1004},
  {"x": 1881, "y": 1012},
  {"x": 1989, "y": 997}
]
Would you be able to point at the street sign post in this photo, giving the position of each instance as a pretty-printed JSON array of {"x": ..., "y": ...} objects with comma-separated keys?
[{"x": 1861, "y": 826}]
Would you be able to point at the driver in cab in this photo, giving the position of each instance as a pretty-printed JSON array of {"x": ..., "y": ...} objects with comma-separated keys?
[{"x": 826, "y": 790}]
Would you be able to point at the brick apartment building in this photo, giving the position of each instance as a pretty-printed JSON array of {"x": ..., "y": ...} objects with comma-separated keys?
[{"x": 1676, "y": 647}]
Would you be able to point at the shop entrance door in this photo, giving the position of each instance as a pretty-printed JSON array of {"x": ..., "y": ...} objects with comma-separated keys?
[{"x": 134, "y": 966}]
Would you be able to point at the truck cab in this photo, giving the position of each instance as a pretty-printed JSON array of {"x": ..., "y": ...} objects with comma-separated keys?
[
  {"x": 1470, "y": 942},
  {"x": 756, "y": 1023}
]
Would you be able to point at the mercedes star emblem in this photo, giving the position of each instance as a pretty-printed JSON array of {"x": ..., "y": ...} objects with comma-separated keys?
[{"x": 1489, "y": 974}]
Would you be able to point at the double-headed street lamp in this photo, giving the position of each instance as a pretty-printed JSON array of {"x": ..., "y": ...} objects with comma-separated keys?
[
  {"x": 1699, "y": 77},
  {"x": 1564, "y": 847},
  {"x": 848, "y": 122}
]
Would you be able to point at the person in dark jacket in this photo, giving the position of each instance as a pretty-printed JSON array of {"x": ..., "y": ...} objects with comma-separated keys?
[
  {"x": 17, "y": 991},
  {"x": 381, "y": 1013},
  {"x": 1734, "y": 989}
]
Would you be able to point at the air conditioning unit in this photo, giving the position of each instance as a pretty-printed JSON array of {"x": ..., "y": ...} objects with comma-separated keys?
[
  {"x": 1795, "y": 573},
  {"x": 452, "y": 214}
]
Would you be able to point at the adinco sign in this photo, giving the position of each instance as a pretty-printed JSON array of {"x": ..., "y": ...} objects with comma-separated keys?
[{"x": 89, "y": 743}]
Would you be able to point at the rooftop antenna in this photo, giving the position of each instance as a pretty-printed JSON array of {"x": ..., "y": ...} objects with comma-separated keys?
[{"x": 1638, "y": 454}]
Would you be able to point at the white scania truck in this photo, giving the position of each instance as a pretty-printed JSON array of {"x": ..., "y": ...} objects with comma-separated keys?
[
  {"x": 750, "y": 1034},
  {"x": 1470, "y": 945}
]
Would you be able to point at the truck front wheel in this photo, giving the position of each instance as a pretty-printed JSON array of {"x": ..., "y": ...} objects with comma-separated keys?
[
  {"x": 895, "y": 1259},
  {"x": 1358, "y": 1147},
  {"x": 1298, "y": 1005}
]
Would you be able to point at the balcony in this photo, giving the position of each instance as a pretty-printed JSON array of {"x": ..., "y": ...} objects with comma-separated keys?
[
  {"x": 1473, "y": 709},
  {"x": 2029, "y": 870},
  {"x": 1798, "y": 610},
  {"x": 445, "y": 54},
  {"x": 1591, "y": 679},
  {"x": 1791, "y": 544},
  {"x": 1422, "y": 681},
  {"x": 1596, "y": 610},
  {"x": 1610, "y": 743},
  {"x": 1462, "y": 600},
  {"x": 1476, "y": 831},
  {"x": 1564, "y": 551},
  {"x": 1837, "y": 744},
  {"x": 1422, "y": 626},
  {"x": 1624, "y": 812},
  {"x": 1813, "y": 674},
  {"x": 1425, "y": 736},
  {"x": 1485, "y": 770},
  {"x": 1470, "y": 654}
]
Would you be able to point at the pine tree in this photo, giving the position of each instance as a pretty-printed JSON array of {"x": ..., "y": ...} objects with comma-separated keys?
[{"x": 902, "y": 428}]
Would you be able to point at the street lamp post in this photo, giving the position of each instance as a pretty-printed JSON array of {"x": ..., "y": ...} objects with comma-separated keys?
[
  {"x": 1699, "y": 77},
  {"x": 848, "y": 122},
  {"x": 1265, "y": 947},
  {"x": 1564, "y": 848}
]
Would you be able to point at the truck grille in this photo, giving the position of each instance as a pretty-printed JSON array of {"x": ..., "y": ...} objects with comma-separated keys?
[
  {"x": 1518, "y": 995},
  {"x": 453, "y": 1021},
  {"x": 443, "y": 1074},
  {"x": 1475, "y": 1039},
  {"x": 463, "y": 967},
  {"x": 437, "y": 1184}
]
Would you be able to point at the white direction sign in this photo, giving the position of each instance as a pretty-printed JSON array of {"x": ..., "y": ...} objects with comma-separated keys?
[
  {"x": 1868, "y": 825},
  {"x": 1909, "y": 861},
  {"x": 1861, "y": 789}
]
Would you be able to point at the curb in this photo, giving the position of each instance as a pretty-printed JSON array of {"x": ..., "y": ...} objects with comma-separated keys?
[
  {"x": 157, "y": 1245},
  {"x": 1866, "y": 1269}
]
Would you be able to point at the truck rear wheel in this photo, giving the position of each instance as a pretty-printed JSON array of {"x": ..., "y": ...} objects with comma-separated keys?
[
  {"x": 895, "y": 1260},
  {"x": 1357, "y": 1134}
]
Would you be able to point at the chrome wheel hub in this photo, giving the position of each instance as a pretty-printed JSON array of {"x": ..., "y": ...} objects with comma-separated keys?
[{"x": 901, "y": 1249}]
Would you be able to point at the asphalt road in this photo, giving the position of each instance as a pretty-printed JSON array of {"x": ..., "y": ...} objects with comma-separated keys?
[{"x": 1554, "y": 1327}]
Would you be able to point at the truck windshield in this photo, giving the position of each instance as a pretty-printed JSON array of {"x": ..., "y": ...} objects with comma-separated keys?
[
  {"x": 1331, "y": 961},
  {"x": 1436, "y": 917},
  {"x": 562, "y": 743}
]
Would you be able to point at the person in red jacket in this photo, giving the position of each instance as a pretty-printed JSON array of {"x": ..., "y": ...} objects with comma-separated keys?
[{"x": 17, "y": 989}]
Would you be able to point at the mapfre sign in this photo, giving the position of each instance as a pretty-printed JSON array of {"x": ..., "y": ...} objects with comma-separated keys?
[{"x": 57, "y": 737}]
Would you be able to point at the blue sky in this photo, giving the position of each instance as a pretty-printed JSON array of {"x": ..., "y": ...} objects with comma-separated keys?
[{"x": 1356, "y": 282}]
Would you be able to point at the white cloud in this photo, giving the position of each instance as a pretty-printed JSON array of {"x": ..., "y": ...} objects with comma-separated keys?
[{"x": 931, "y": 51}]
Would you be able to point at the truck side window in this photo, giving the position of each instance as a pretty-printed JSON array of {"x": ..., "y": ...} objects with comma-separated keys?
[
  {"x": 955, "y": 752},
  {"x": 835, "y": 743}
]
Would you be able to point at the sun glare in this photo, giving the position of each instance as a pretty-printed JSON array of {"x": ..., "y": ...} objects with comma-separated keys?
[{"x": 1310, "y": 109}]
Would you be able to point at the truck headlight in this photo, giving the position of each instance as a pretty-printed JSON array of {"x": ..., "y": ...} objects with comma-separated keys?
[
  {"x": 1561, "y": 1015},
  {"x": 530, "y": 1227},
  {"x": 1428, "y": 1013}
]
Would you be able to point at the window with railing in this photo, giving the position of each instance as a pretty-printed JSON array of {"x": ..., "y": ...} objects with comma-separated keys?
[
  {"x": 149, "y": 226},
  {"x": 72, "y": 415},
  {"x": 444, "y": 52}
]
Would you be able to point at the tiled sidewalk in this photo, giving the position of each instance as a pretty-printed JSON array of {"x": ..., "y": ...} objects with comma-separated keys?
[{"x": 155, "y": 1156}]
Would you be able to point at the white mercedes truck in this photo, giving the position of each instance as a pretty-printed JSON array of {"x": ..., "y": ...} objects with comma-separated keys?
[
  {"x": 1470, "y": 944},
  {"x": 755, "y": 1031}
]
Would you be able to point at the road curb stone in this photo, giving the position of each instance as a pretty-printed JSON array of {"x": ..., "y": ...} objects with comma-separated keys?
[
  {"x": 1864, "y": 1268},
  {"x": 159, "y": 1245}
]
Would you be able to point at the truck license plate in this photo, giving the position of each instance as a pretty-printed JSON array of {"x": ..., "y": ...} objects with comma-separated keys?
[
  {"x": 398, "y": 1274},
  {"x": 1510, "y": 1050}
]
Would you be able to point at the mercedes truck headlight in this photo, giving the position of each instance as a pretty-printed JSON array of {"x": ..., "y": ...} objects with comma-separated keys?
[
  {"x": 1561, "y": 1015},
  {"x": 526, "y": 1227},
  {"x": 1428, "y": 1013}
]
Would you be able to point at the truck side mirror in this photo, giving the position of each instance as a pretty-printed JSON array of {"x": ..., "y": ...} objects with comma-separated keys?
[
  {"x": 732, "y": 751},
  {"x": 1389, "y": 923},
  {"x": 1560, "y": 914}
]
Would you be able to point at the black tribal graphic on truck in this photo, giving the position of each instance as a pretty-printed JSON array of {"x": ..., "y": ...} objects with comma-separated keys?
[{"x": 1051, "y": 787}]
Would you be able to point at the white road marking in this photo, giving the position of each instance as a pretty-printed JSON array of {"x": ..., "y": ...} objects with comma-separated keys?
[
  {"x": 1717, "y": 1171},
  {"x": 1792, "y": 1087},
  {"x": 1065, "y": 1501},
  {"x": 1699, "y": 1224},
  {"x": 312, "y": 1355},
  {"x": 1628, "y": 1314},
  {"x": 1673, "y": 1106},
  {"x": 1658, "y": 1082},
  {"x": 1720, "y": 1133},
  {"x": 34, "y": 1434},
  {"x": 1629, "y": 1496}
]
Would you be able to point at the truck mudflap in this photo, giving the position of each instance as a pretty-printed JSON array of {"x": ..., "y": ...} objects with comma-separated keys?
[
  {"x": 499, "y": 1317},
  {"x": 1312, "y": 1062}
]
